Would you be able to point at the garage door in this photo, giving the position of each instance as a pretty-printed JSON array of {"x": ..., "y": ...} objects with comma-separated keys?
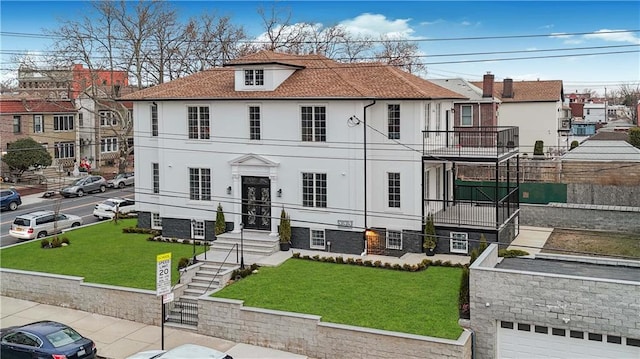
[{"x": 522, "y": 340}]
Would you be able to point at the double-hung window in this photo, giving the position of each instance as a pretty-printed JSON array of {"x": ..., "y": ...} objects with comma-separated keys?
[
  {"x": 314, "y": 123},
  {"x": 156, "y": 221},
  {"x": 254, "y": 122},
  {"x": 109, "y": 144},
  {"x": 17, "y": 125},
  {"x": 154, "y": 120},
  {"x": 63, "y": 122},
  {"x": 107, "y": 118},
  {"x": 38, "y": 124},
  {"x": 64, "y": 150},
  {"x": 314, "y": 190},
  {"x": 156, "y": 177},
  {"x": 438, "y": 119},
  {"x": 393, "y": 115},
  {"x": 254, "y": 77},
  {"x": 459, "y": 242},
  {"x": 197, "y": 229},
  {"x": 394, "y": 189},
  {"x": 200, "y": 184},
  {"x": 466, "y": 117},
  {"x": 394, "y": 239},
  {"x": 198, "y": 117},
  {"x": 317, "y": 239}
]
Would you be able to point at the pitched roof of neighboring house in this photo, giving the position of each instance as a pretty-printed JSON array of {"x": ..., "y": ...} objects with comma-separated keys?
[
  {"x": 610, "y": 136},
  {"x": 603, "y": 151},
  {"x": 529, "y": 91},
  {"x": 36, "y": 106},
  {"x": 314, "y": 76},
  {"x": 465, "y": 88}
]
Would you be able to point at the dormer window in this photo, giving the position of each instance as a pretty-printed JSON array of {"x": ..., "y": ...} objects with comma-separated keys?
[{"x": 254, "y": 77}]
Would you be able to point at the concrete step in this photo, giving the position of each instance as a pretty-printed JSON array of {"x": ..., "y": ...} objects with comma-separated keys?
[{"x": 174, "y": 322}]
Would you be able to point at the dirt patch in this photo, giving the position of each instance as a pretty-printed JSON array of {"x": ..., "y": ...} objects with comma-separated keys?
[{"x": 593, "y": 243}]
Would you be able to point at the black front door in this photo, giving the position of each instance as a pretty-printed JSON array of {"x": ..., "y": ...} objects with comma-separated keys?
[{"x": 256, "y": 203}]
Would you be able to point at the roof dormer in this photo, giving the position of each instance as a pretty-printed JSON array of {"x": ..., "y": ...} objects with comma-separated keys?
[{"x": 263, "y": 71}]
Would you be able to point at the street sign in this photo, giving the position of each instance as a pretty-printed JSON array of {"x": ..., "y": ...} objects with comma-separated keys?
[
  {"x": 167, "y": 298},
  {"x": 163, "y": 274}
]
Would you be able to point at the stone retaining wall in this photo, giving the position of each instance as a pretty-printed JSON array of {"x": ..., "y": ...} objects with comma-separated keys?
[
  {"x": 137, "y": 305},
  {"x": 307, "y": 335},
  {"x": 581, "y": 216}
]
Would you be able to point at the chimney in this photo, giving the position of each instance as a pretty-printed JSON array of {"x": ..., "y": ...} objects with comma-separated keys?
[
  {"x": 507, "y": 89},
  {"x": 487, "y": 85}
]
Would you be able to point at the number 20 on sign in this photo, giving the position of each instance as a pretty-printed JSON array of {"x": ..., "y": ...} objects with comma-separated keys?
[{"x": 163, "y": 274}]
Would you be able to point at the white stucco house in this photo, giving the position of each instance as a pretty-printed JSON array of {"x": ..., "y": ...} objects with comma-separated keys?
[{"x": 341, "y": 147}]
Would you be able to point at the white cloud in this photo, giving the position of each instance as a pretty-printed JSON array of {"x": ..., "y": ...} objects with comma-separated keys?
[
  {"x": 434, "y": 22},
  {"x": 547, "y": 26},
  {"x": 614, "y": 35},
  {"x": 560, "y": 35},
  {"x": 377, "y": 24}
]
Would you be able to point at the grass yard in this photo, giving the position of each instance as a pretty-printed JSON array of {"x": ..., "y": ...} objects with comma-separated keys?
[
  {"x": 101, "y": 254},
  {"x": 584, "y": 242},
  {"x": 423, "y": 303}
]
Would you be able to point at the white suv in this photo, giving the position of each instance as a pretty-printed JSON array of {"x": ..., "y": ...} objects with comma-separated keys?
[
  {"x": 108, "y": 208},
  {"x": 41, "y": 224}
]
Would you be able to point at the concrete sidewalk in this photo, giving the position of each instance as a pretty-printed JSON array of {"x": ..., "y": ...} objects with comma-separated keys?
[
  {"x": 531, "y": 239},
  {"x": 118, "y": 338}
]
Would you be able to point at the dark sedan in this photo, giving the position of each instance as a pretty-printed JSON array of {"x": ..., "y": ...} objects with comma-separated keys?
[{"x": 45, "y": 339}]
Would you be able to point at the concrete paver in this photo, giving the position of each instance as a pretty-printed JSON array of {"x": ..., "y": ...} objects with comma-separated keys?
[{"x": 531, "y": 239}]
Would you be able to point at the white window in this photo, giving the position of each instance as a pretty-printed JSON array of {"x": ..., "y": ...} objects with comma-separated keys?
[
  {"x": 156, "y": 221},
  {"x": 438, "y": 119},
  {"x": 17, "y": 124},
  {"x": 314, "y": 123},
  {"x": 317, "y": 239},
  {"x": 394, "y": 189},
  {"x": 394, "y": 239},
  {"x": 459, "y": 242},
  {"x": 427, "y": 185},
  {"x": 254, "y": 122},
  {"x": 254, "y": 77},
  {"x": 38, "y": 125},
  {"x": 109, "y": 144},
  {"x": 466, "y": 116},
  {"x": 200, "y": 184},
  {"x": 197, "y": 229},
  {"x": 107, "y": 118},
  {"x": 64, "y": 150},
  {"x": 427, "y": 117},
  {"x": 437, "y": 196},
  {"x": 154, "y": 120},
  {"x": 63, "y": 122},
  {"x": 80, "y": 119},
  {"x": 198, "y": 119},
  {"x": 393, "y": 117},
  {"x": 314, "y": 190},
  {"x": 156, "y": 177}
]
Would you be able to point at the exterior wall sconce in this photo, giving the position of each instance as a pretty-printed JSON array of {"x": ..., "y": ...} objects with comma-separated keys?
[
  {"x": 279, "y": 193},
  {"x": 229, "y": 190}
]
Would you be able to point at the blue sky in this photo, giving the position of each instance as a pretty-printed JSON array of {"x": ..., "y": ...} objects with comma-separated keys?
[{"x": 435, "y": 25}]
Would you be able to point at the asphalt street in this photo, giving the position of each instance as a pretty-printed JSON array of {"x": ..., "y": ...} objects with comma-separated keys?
[{"x": 79, "y": 206}]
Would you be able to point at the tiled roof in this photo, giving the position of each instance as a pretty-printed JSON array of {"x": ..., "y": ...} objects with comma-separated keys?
[
  {"x": 464, "y": 88},
  {"x": 529, "y": 91},
  {"x": 36, "y": 106},
  {"x": 608, "y": 151},
  {"x": 315, "y": 77}
]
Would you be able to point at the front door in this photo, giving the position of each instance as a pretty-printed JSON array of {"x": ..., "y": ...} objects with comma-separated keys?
[{"x": 256, "y": 203}]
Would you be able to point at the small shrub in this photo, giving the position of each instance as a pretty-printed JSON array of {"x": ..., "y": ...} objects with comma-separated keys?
[
  {"x": 198, "y": 243},
  {"x": 350, "y": 261},
  {"x": 186, "y": 241},
  {"x": 368, "y": 263},
  {"x": 396, "y": 266},
  {"x": 538, "y": 148},
  {"x": 511, "y": 253},
  {"x": 174, "y": 240},
  {"x": 437, "y": 263},
  {"x": 55, "y": 242},
  {"x": 574, "y": 144},
  {"x": 65, "y": 240},
  {"x": 44, "y": 243},
  {"x": 426, "y": 262},
  {"x": 339, "y": 260},
  {"x": 463, "y": 298},
  {"x": 297, "y": 255},
  {"x": 377, "y": 264},
  {"x": 316, "y": 257},
  {"x": 330, "y": 260},
  {"x": 446, "y": 264},
  {"x": 183, "y": 263},
  {"x": 306, "y": 257},
  {"x": 387, "y": 265},
  {"x": 358, "y": 261},
  {"x": 151, "y": 239},
  {"x": 221, "y": 225},
  {"x": 474, "y": 255}
]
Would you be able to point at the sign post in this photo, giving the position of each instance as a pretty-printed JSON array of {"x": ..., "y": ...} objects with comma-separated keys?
[{"x": 163, "y": 284}]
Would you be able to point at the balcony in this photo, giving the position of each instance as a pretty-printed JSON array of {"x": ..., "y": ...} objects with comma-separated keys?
[
  {"x": 471, "y": 144},
  {"x": 476, "y": 206}
]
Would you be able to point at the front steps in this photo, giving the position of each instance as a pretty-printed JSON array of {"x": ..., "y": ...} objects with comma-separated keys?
[{"x": 256, "y": 243}]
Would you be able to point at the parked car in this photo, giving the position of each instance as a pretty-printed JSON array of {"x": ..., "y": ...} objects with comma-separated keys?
[
  {"x": 184, "y": 351},
  {"x": 10, "y": 199},
  {"x": 122, "y": 180},
  {"x": 45, "y": 339},
  {"x": 84, "y": 185},
  {"x": 107, "y": 209},
  {"x": 41, "y": 224}
]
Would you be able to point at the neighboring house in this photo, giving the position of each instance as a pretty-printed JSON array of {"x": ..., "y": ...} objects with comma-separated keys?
[
  {"x": 479, "y": 108},
  {"x": 49, "y": 122},
  {"x": 341, "y": 147},
  {"x": 554, "y": 306},
  {"x": 595, "y": 112},
  {"x": 580, "y": 129},
  {"x": 536, "y": 107},
  {"x": 65, "y": 82}
]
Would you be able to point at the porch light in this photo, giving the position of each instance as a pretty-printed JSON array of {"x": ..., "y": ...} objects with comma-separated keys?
[
  {"x": 279, "y": 193},
  {"x": 229, "y": 190}
]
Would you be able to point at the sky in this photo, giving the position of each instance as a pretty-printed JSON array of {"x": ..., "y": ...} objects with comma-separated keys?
[{"x": 587, "y": 44}]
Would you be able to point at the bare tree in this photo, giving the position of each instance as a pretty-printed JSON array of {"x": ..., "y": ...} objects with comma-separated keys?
[
  {"x": 401, "y": 53},
  {"x": 630, "y": 96},
  {"x": 281, "y": 34}
]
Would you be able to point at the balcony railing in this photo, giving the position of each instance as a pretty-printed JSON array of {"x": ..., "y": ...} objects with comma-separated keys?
[
  {"x": 477, "y": 206},
  {"x": 489, "y": 142}
]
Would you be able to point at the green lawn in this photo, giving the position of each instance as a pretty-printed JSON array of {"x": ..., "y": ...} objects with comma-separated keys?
[
  {"x": 101, "y": 254},
  {"x": 423, "y": 303}
]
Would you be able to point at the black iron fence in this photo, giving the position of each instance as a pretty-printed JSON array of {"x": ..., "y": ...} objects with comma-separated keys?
[
  {"x": 471, "y": 141},
  {"x": 182, "y": 313}
]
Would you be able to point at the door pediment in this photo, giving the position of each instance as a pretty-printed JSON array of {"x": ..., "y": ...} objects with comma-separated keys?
[{"x": 253, "y": 160}]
